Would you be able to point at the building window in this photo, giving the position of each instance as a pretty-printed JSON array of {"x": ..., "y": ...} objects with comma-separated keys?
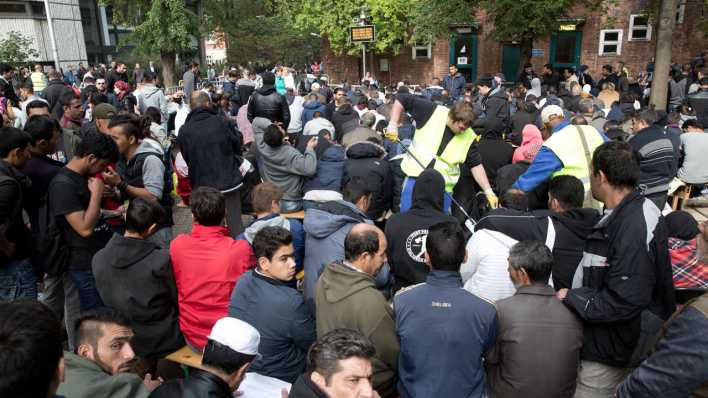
[
  {"x": 639, "y": 28},
  {"x": 680, "y": 11},
  {"x": 13, "y": 9},
  {"x": 420, "y": 52},
  {"x": 610, "y": 42}
]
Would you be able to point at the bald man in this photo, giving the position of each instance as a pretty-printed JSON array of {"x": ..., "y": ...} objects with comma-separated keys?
[{"x": 347, "y": 298}]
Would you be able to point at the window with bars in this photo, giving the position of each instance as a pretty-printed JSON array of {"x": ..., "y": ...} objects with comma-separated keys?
[
  {"x": 420, "y": 52},
  {"x": 610, "y": 42}
]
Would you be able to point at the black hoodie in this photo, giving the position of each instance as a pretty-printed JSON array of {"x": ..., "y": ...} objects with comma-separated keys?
[
  {"x": 134, "y": 276},
  {"x": 406, "y": 232},
  {"x": 367, "y": 160},
  {"x": 570, "y": 229}
]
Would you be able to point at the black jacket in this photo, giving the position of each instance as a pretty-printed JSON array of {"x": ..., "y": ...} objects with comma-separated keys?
[
  {"x": 519, "y": 120},
  {"x": 406, "y": 232},
  {"x": 345, "y": 120},
  {"x": 210, "y": 147},
  {"x": 699, "y": 102},
  {"x": 626, "y": 282},
  {"x": 13, "y": 187},
  {"x": 134, "y": 276},
  {"x": 496, "y": 153},
  {"x": 267, "y": 103},
  {"x": 305, "y": 388},
  {"x": 367, "y": 160},
  {"x": 53, "y": 93},
  {"x": 199, "y": 384},
  {"x": 658, "y": 152},
  {"x": 496, "y": 109}
]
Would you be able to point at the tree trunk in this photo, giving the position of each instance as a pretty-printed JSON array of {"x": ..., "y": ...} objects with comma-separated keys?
[
  {"x": 167, "y": 59},
  {"x": 662, "y": 57}
]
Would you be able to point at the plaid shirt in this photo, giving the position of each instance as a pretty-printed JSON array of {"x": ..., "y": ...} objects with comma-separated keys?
[{"x": 688, "y": 270}]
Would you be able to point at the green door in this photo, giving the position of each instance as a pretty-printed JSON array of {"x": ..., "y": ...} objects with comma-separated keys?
[
  {"x": 565, "y": 49},
  {"x": 463, "y": 53},
  {"x": 511, "y": 57}
]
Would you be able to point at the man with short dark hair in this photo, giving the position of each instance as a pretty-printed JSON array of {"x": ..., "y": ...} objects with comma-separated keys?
[
  {"x": 190, "y": 78},
  {"x": 267, "y": 103},
  {"x": 444, "y": 330},
  {"x": 55, "y": 90},
  {"x": 623, "y": 287},
  {"x": 206, "y": 263},
  {"x": 454, "y": 83},
  {"x": 103, "y": 359},
  {"x": 538, "y": 345},
  {"x": 495, "y": 106},
  {"x": 338, "y": 366},
  {"x": 16, "y": 247},
  {"x": 347, "y": 298},
  {"x": 211, "y": 148},
  {"x": 231, "y": 348},
  {"x": 31, "y": 357},
  {"x": 265, "y": 299},
  {"x": 549, "y": 77},
  {"x": 134, "y": 276},
  {"x": 6, "y": 77},
  {"x": 282, "y": 164},
  {"x": 152, "y": 96},
  {"x": 75, "y": 202},
  {"x": 659, "y": 152},
  {"x": 70, "y": 122}
]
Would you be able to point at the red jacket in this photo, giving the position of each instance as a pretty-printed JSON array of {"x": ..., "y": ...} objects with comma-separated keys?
[{"x": 207, "y": 264}]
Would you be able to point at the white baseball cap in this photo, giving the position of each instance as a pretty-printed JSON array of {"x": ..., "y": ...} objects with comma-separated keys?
[
  {"x": 237, "y": 335},
  {"x": 551, "y": 110}
]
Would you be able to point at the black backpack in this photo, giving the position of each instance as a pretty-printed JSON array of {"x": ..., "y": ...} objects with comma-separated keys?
[{"x": 53, "y": 248}]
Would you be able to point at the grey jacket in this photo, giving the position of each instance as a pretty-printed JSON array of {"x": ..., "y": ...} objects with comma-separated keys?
[
  {"x": 284, "y": 166},
  {"x": 85, "y": 379},
  {"x": 151, "y": 96},
  {"x": 538, "y": 346}
]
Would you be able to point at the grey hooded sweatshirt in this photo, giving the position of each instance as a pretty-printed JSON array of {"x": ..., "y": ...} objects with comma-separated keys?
[
  {"x": 284, "y": 166},
  {"x": 149, "y": 96}
]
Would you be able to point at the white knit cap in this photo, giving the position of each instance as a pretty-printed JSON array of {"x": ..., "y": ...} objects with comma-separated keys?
[
  {"x": 551, "y": 110},
  {"x": 237, "y": 335}
]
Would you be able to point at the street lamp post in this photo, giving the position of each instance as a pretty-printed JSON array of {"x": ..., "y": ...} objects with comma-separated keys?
[
  {"x": 52, "y": 38},
  {"x": 362, "y": 22}
]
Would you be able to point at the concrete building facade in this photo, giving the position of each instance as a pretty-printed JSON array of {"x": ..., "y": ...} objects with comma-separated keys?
[{"x": 583, "y": 38}]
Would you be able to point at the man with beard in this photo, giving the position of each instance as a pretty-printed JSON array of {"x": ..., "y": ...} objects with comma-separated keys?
[{"x": 103, "y": 359}]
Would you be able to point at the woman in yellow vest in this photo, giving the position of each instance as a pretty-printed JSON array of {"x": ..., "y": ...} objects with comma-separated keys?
[
  {"x": 443, "y": 141},
  {"x": 568, "y": 150}
]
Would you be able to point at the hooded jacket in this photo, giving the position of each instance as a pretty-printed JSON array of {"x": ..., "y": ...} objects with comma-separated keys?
[
  {"x": 367, "y": 160},
  {"x": 326, "y": 225},
  {"x": 53, "y": 93},
  {"x": 276, "y": 220},
  {"x": 152, "y": 96},
  {"x": 344, "y": 119},
  {"x": 305, "y": 388},
  {"x": 210, "y": 147},
  {"x": 309, "y": 109},
  {"x": 496, "y": 110},
  {"x": 14, "y": 187},
  {"x": 284, "y": 166},
  {"x": 134, "y": 276},
  {"x": 84, "y": 378},
  {"x": 406, "y": 232},
  {"x": 267, "y": 103},
  {"x": 347, "y": 298},
  {"x": 330, "y": 168}
]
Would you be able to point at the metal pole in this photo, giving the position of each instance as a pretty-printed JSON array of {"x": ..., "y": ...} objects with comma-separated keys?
[
  {"x": 363, "y": 60},
  {"x": 51, "y": 35}
]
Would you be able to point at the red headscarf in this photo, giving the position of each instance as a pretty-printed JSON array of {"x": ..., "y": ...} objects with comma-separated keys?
[{"x": 123, "y": 87}]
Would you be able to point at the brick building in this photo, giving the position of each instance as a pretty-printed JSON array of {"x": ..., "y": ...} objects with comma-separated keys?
[{"x": 584, "y": 38}]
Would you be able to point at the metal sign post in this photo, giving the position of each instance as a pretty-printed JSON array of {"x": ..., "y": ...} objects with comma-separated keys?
[
  {"x": 362, "y": 33},
  {"x": 52, "y": 38}
]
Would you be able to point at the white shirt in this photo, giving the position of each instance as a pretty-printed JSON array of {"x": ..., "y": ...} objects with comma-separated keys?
[{"x": 485, "y": 273}]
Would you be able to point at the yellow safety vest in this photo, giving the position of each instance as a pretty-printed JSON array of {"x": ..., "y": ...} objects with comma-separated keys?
[
  {"x": 568, "y": 145},
  {"x": 426, "y": 143}
]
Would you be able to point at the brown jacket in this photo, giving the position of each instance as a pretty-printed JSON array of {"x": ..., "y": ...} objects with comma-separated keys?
[{"x": 538, "y": 346}]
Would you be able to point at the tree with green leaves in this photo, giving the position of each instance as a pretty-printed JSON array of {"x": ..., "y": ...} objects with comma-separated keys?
[
  {"x": 17, "y": 49},
  {"x": 160, "y": 27}
]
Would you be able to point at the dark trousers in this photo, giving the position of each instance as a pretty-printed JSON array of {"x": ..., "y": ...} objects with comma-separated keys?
[
  {"x": 233, "y": 212},
  {"x": 86, "y": 285},
  {"x": 659, "y": 199}
]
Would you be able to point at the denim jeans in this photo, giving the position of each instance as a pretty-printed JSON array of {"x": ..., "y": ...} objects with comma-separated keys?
[
  {"x": 61, "y": 296},
  {"x": 86, "y": 285},
  {"x": 18, "y": 281},
  {"x": 290, "y": 206}
]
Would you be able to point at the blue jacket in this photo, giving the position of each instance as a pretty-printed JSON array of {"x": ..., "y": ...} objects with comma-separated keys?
[
  {"x": 286, "y": 325},
  {"x": 455, "y": 85},
  {"x": 276, "y": 220},
  {"x": 309, "y": 110},
  {"x": 330, "y": 169},
  {"x": 444, "y": 331}
]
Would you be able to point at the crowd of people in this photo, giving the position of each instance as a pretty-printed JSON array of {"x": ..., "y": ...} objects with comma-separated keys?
[{"x": 436, "y": 240}]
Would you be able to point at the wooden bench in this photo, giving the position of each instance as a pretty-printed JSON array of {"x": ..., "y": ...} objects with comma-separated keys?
[
  {"x": 300, "y": 215},
  {"x": 187, "y": 357}
]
